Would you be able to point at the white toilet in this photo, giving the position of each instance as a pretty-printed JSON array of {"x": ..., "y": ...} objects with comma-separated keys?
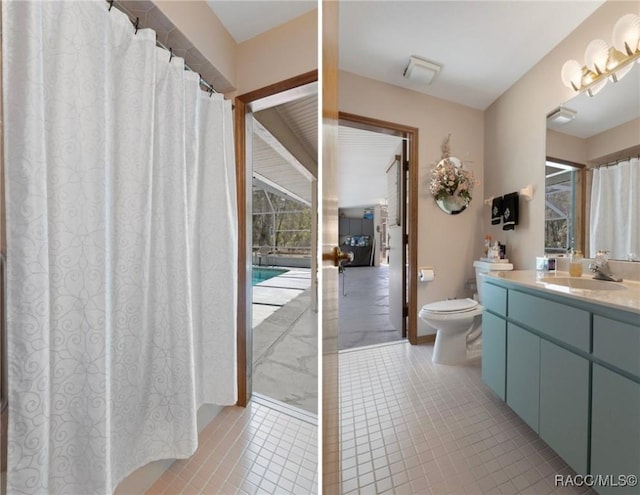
[{"x": 456, "y": 319}]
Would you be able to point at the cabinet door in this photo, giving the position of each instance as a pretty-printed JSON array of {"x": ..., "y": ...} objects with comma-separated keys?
[
  {"x": 523, "y": 374},
  {"x": 494, "y": 353},
  {"x": 564, "y": 404},
  {"x": 615, "y": 428}
]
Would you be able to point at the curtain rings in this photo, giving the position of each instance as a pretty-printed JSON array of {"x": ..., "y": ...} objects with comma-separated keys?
[
  {"x": 110, "y": 5},
  {"x": 170, "y": 54},
  {"x": 136, "y": 25}
]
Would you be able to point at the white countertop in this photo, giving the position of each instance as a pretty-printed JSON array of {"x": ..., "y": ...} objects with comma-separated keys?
[{"x": 627, "y": 299}]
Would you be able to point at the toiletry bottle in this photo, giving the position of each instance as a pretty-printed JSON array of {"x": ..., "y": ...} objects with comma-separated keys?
[{"x": 575, "y": 264}]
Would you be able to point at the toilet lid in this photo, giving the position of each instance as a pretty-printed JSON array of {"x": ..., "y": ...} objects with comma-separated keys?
[{"x": 451, "y": 306}]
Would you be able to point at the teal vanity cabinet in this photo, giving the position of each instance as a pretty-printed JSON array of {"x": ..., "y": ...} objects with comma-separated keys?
[
  {"x": 558, "y": 388},
  {"x": 564, "y": 404},
  {"x": 494, "y": 339},
  {"x": 615, "y": 420},
  {"x": 571, "y": 372},
  {"x": 523, "y": 374}
]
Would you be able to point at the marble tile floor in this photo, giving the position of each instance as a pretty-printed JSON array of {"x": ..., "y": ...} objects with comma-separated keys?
[
  {"x": 272, "y": 294},
  {"x": 364, "y": 307},
  {"x": 285, "y": 345},
  {"x": 409, "y": 426},
  {"x": 261, "y": 449}
]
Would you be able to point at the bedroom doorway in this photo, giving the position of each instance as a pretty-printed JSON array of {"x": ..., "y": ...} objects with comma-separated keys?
[{"x": 374, "y": 204}]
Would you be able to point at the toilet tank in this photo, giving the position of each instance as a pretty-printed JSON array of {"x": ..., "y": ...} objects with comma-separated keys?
[{"x": 487, "y": 266}]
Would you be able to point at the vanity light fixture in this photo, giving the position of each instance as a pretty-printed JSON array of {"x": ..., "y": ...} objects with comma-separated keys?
[
  {"x": 603, "y": 63},
  {"x": 562, "y": 115},
  {"x": 421, "y": 71}
]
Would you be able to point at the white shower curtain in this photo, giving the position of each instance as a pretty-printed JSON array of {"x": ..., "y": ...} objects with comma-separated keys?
[
  {"x": 615, "y": 209},
  {"x": 121, "y": 242}
]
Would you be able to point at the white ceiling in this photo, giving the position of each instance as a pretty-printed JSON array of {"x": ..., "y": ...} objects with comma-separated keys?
[
  {"x": 484, "y": 47},
  {"x": 363, "y": 159},
  {"x": 246, "y": 19},
  {"x": 281, "y": 158},
  {"x": 614, "y": 105}
]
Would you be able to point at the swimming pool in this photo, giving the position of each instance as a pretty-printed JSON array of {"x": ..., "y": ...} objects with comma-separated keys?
[{"x": 260, "y": 274}]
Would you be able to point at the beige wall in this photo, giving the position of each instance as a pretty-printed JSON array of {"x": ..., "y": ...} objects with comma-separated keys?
[
  {"x": 565, "y": 147},
  {"x": 619, "y": 142},
  {"x": 607, "y": 145},
  {"x": 281, "y": 53},
  {"x": 202, "y": 27},
  {"x": 449, "y": 243},
  {"x": 515, "y": 132}
]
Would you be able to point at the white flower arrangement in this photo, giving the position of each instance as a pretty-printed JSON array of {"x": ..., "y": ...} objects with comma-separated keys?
[{"x": 449, "y": 179}]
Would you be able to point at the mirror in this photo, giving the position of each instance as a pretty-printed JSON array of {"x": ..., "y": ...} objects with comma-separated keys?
[{"x": 606, "y": 128}]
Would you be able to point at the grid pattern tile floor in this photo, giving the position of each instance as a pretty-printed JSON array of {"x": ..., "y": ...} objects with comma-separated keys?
[
  {"x": 253, "y": 450},
  {"x": 409, "y": 426}
]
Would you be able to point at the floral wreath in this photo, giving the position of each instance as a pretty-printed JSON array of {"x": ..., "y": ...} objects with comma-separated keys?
[{"x": 448, "y": 178}]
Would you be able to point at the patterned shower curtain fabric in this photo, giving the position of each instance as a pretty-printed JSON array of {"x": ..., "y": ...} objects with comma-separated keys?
[{"x": 121, "y": 248}]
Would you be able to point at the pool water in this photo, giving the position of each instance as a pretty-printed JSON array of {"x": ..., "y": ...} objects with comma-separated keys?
[{"x": 260, "y": 274}]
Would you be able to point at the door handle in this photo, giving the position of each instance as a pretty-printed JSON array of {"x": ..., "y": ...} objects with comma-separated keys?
[{"x": 338, "y": 256}]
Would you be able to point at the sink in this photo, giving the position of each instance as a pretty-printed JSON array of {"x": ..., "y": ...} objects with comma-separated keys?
[{"x": 582, "y": 283}]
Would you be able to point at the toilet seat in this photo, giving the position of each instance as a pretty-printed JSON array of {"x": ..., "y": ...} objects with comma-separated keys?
[
  {"x": 451, "y": 309},
  {"x": 451, "y": 306}
]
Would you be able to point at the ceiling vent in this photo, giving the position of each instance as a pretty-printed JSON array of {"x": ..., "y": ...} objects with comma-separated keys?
[
  {"x": 421, "y": 71},
  {"x": 562, "y": 115}
]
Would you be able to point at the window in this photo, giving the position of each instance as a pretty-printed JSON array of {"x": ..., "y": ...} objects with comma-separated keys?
[{"x": 563, "y": 208}]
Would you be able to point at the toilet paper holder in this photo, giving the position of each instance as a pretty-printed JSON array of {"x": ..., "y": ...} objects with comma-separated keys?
[{"x": 426, "y": 274}]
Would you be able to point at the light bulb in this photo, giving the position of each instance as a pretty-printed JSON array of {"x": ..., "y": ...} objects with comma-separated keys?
[
  {"x": 596, "y": 56},
  {"x": 626, "y": 34},
  {"x": 571, "y": 74}
]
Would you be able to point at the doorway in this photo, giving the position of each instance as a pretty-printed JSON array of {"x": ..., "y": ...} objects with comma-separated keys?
[
  {"x": 276, "y": 146},
  {"x": 377, "y": 187}
]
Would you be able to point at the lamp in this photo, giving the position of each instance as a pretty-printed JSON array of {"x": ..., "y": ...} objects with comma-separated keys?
[
  {"x": 421, "y": 71},
  {"x": 562, "y": 115},
  {"x": 601, "y": 62}
]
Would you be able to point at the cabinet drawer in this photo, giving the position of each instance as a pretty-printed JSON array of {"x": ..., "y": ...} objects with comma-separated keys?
[
  {"x": 494, "y": 298},
  {"x": 570, "y": 325},
  {"x": 617, "y": 343}
]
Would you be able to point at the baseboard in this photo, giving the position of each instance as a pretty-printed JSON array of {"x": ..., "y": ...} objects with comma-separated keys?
[{"x": 426, "y": 339}]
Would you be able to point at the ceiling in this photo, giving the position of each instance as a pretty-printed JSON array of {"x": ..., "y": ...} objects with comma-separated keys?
[
  {"x": 247, "y": 19},
  {"x": 285, "y": 147},
  {"x": 484, "y": 47},
  {"x": 614, "y": 105},
  {"x": 363, "y": 159},
  {"x": 471, "y": 40}
]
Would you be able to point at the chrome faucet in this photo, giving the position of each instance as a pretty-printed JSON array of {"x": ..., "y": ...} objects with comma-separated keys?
[{"x": 603, "y": 272}]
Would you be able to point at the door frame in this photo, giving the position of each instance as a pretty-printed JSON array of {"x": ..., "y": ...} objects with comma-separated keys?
[
  {"x": 242, "y": 105},
  {"x": 411, "y": 134}
]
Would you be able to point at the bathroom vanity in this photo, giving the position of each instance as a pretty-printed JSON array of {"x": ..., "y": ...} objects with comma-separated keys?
[{"x": 564, "y": 353}]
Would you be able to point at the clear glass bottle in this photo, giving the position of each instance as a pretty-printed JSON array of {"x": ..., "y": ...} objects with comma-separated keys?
[{"x": 575, "y": 264}]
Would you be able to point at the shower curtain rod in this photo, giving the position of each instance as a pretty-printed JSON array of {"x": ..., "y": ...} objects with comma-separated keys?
[
  {"x": 136, "y": 24},
  {"x": 615, "y": 162}
]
